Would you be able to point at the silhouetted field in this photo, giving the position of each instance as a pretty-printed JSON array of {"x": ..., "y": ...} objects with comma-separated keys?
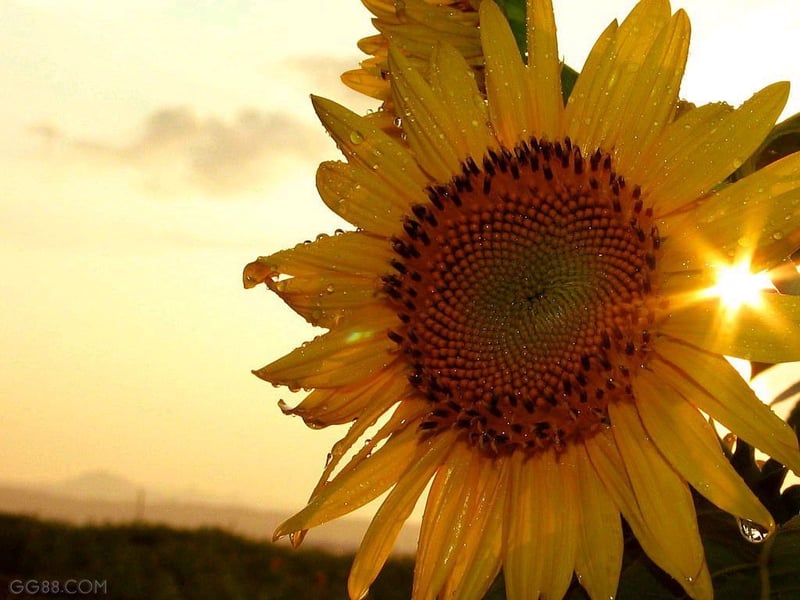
[{"x": 139, "y": 562}]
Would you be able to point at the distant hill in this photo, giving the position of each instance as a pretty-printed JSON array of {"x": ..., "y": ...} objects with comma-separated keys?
[{"x": 107, "y": 499}]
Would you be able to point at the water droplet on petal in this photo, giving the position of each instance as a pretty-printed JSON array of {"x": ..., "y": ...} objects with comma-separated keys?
[
  {"x": 777, "y": 235},
  {"x": 356, "y": 137},
  {"x": 752, "y": 532}
]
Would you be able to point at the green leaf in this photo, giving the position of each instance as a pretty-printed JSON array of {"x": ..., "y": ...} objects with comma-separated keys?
[
  {"x": 779, "y": 565},
  {"x": 784, "y": 139},
  {"x": 568, "y": 78}
]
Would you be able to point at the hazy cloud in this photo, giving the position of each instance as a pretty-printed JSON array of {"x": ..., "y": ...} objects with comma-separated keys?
[
  {"x": 322, "y": 76},
  {"x": 321, "y": 72},
  {"x": 176, "y": 149}
]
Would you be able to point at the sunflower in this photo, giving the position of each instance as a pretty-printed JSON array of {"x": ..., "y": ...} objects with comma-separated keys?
[{"x": 527, "y": 312}]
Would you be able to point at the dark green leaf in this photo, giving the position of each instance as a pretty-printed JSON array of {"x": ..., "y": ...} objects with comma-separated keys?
[
  {"x": 784, "y": 139},
  {"x": 568, "y": 78},
  {"x": 780, "y": 563}
]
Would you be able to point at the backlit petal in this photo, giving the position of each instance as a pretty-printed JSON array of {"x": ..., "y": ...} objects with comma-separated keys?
[
  {"x": 388, "y": 521},
  {"x": 337, "y": 358},
  {"x": 510, "y": 105},
  {"x": 541, "y": 529},
  {"x": 600, "y": 527},
  {"x": 691, "y": 446},
  {"x": 727, "y": 399},
  {"x": 719, "y": 148},
  {"x": 766, "y": 332},
  {"x": 366, "y": 146},
  {"x": 354, "y": 488},
  {"x": 361, "y": 199},
  {"x": 428, "y": 126},
  {"x": 544, "y": 70},
  {"x": 453, "y": 81}
]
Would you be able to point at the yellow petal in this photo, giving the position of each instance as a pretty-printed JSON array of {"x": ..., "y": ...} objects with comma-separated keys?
[
  {"x": 328, "y": 298},
  {"x": 765, "y": 332},
  {"x": 365, "y": 145},
  {"x": 545, "y": 70},
  {"x": 334, "y": 406},
  {"x": 651, "y": 102},
  {"x": 388, "y": 521},
  {"x": 600, "y": 528},
  {"x": 478, "y": 559},
  {"x": 429, "y": 128},
  {"x": 676, "y": 145},
  {"x": 713, "y": 386},
  {"x": 659, "y": 492},
  {"x": 613, "y": 76},
  {"x": 720, "y": 148},
  {"x": 354, "y": 253},
  {"x": 341, "y": 356},
  {"x": 691, "y": 446},
  {"x": 760, "y": 212},
  {"x": 611, "y": 469},
  {"x": 452, "y": 490},
  {"x": 354, "y": 488},
  {"x": 453, "y": 81},
  {"x": 642, "y": 26},
  {"x": 541, "y": 528},
  {"x": 589, "y": 89},
  {"x": 361, "y": 199},
  {"x": 410, "y": 410},
  {"x": 506, "y": 83},
  {"x": 363, "y": 82}
]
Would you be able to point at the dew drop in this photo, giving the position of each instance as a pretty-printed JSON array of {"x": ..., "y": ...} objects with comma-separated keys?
[
  {"x": 356, "y": 137},
  {"x": 777, "y": 235},
  {"x": 329, "y": 288},
  {"x": 752, "y": 532},
  {"x": 398, "y": 122}
]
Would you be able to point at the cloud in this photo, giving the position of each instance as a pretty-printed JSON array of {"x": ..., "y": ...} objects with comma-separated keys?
[
  {"x": 322, "y": 74},
  {"x": 177, "y": 150},
  {"x": 321, "y": 71}
]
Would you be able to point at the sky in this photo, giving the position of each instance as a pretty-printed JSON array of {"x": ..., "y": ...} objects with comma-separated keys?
[{"x": 149, "y": 149}]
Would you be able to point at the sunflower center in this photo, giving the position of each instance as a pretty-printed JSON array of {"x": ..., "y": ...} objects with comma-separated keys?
[{"x": 523, "y": 289}]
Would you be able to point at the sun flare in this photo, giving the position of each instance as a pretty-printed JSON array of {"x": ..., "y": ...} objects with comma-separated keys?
[{"x": 738, "y": 286}]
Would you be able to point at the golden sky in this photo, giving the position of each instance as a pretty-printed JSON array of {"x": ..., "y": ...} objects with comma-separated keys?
[{"x": 149, "y": 149}]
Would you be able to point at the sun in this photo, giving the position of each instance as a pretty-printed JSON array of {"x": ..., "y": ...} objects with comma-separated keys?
[{"x": 738, "y": 286}]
